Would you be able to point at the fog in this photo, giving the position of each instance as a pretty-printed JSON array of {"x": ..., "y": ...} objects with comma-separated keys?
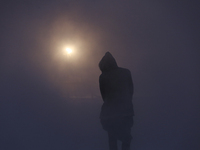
[{"x": 49, "y": 100}]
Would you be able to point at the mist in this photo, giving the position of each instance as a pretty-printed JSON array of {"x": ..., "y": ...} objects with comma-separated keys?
[{"x": 51, "y": 101}]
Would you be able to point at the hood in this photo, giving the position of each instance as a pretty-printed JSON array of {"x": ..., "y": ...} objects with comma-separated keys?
[{"x": 107, "y": 63}]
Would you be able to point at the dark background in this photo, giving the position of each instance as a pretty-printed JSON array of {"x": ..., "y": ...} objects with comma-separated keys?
[{"x": 51, "y": 101}]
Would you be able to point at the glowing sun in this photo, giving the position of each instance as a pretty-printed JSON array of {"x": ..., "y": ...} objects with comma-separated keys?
[{"x": 68, "y": 50}]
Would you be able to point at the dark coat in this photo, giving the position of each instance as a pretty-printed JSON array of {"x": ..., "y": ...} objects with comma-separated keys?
[{"x": 116, "y": 89}]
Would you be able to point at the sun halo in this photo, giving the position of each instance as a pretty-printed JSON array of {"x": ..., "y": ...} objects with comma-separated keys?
[{"x": 68, "y": 50}]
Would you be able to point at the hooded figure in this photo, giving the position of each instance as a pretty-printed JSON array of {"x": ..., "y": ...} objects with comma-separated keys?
[{"x": 117, "y": 113}]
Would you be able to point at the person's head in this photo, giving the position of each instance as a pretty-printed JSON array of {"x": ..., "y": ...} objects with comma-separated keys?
[{"x": 108, "y": 62}]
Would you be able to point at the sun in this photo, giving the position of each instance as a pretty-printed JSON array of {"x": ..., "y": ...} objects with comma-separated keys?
[{"x": 68, "y": 50}]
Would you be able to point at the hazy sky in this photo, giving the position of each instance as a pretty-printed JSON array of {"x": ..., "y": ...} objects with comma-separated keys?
[{"x": 41, "y": 86}]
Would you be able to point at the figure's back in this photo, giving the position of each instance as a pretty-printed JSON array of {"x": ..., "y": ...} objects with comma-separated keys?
[
  {"x": 116, "y": 88},
  {"x": 117, "y": 84}
]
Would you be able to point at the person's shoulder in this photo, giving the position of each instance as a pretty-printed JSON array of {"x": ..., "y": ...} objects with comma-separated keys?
[{"x": 124, "y": 69}]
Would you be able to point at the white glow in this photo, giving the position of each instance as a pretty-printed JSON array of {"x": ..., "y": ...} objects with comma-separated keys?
[{"x": 69, "y": 50}]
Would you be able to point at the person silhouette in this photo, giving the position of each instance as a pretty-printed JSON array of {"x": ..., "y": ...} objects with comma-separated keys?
[{"x": 116, "y": 88}]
